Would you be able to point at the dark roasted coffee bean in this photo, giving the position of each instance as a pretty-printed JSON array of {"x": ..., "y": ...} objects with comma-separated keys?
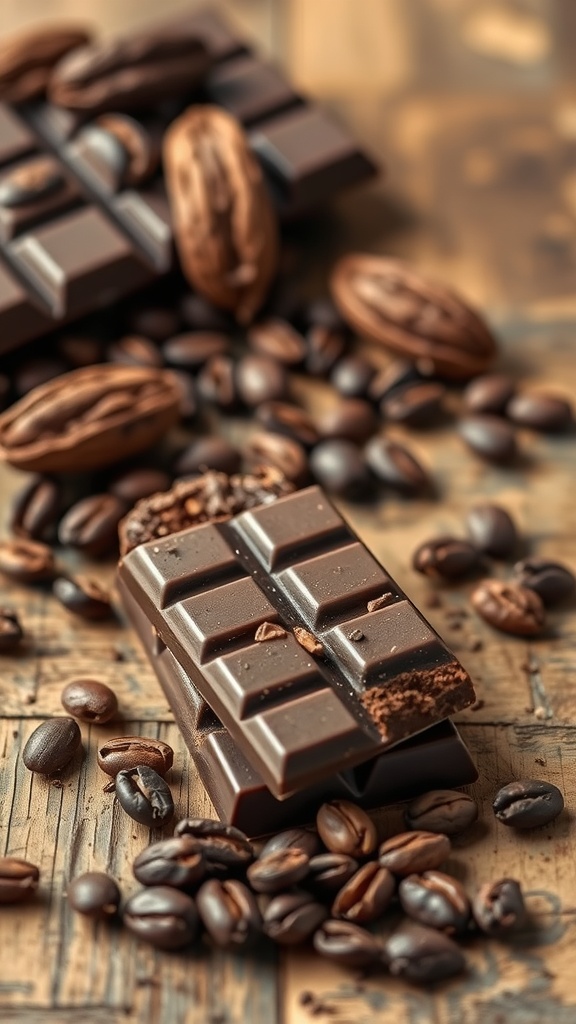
[
  {"x": 489, "y": 436},
  {"x": 340, "y": 469},
  {"x": 200, "y": 315},
  {"x": 436, "y": 900},
  {"x": 260, "y": 379},
  {"x": 52, "y": 745},
  {"x": 145, "y": 796},
  {"x": 416, "y": 404},
  {"x": 229, "y": 912},
  {"x": 79, "y": 351},
  {"x": 83, "y": 597},
  {"x": 208, "y": 453},
  {"x": 509, "y": 607},
  {"x": 217, "y": 382},
  {"x": 123, "y": 753},
  {"x": 89, "y": 700},
  {"x": 18, "y": 879},
  {"x": 135, "y": 484},
  {"x": 345, "y": 828},
  {"x": 292, "y": 917},
  {"x": 162, "y": 916},
  {"x": 446, "y": 558},
  {"x": 366, "y": 895},
  {"x": 528, "y": 803},
  {"x": 324, "y": 347},
  {"x": 188, "y": 405},
  {"x": 222, "y": 845},
  {"x": 489, "y": 393},
  {"x": 134, "y": 350},
  {"x": 36, "y": 508},
  {"x": 422, "y": 954},
  {"x": 191, "y": 350},
  {"x": 304, "y": 839},
  {"x": 395, "y": 466},
  {"x": 285, "y": 454},
  {"x": 330, "y": 871},
  {"x": 347, "y": 944},
  {"x": 155, "y": 322},
  {"x": 540, "y": 411},
  {"x": 279, "y": 340},
  {"x": 395, "y": 375},
  {"x": 91, "y": 525},
  {"x": 11, "y": 631},
  {"x": 499, "y": 906},
  {"x": 552, "y": 581},
  {"x": 26, "y": 561},
  {"x": 412, "y": 852},
  {"x": 278, "y": 870},
  {"x": 178, "y": 862},
  {"x": 441, "y": 810},
  {"x": 492, "y": 530},
  {"x": 351, "y": 376},
  {"x": 34, "y": 372},
  {"x": 94, "y": 894},
  {"x": 290, "y": 420},
  {"x": 352, "y": 419}
]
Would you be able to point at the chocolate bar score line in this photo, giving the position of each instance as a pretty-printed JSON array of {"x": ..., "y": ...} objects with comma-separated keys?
[{"x": 381, "y": 676}]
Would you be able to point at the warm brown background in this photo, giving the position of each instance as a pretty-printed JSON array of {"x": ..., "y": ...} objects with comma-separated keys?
[{"x": 473, "y": 107}]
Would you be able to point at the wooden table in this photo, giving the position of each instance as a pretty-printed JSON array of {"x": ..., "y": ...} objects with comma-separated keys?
[{"x": 472, "y": 105}]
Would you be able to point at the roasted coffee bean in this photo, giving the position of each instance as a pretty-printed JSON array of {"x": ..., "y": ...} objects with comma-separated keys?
[
  {"x": 422, "y": 954},
  {"x": 187, "y": 404},
  {"x": 192, "y": 350},
  {"x": 94, "y": 894},
  {"x": 124, "y": 753},
  {"x": 134, "y": 350},
  {"x": 509, "y": 607},
  {"x": 200, "y": 315},
  {"x": 490, "y": 437},
  {"x": 18, "y": 879},
  {"x": 155, "y": 322},
  {"x": 324, "y": 346},
  {"x": 278, "y": 340},
  {"x": 26, "y": 561},
  {"x": 436, "y": 900},
  {"x": 499, "y": 906},
  {"x": 260, "y": 379},
  {"x": 278, "y": 870},
  {"x": 540, "y": 411},
  {"x": 395, "y": 466},
  {"x": 528, "y": 803},
  {"x": 11, "y": 631},
  {"x": 52, "y": 745},
  {"x": 413, "y": 852},
  {"x": 552, "y": 581},
  {"x": 34, "y": 372},
  {"x": 89, "y": 700},
  {"x": 140, "y": 149},
  {"x": 441, "y": 810},
  {"x": 489, "y": 393},
  {"x": 222, "y": 845},
  {"x": 292, "y": 917},
  {"x": 304, "y": 839},
  {"x": 352, "y": 419},
  {"x": 83, "y": 597},
  {"x": 135, "y": 484},
  {"x": 352, "y": 376},
  {"x": 162, "y": 916},
  {"x": 80, "y": 350},
  {"x": 330, "y": 871},
  {"x": 208, "y": 453},
  {"x": 178, "y": 862},
  {"x": 217, "y": 382},
  {"x": 91, "y": 525},
  {"x": 366, "y": 895},
  {"x": 492, "y": 530},
  {"x": 395, "y": 375},
  {"x": 340, "y": 469},
  {"x": 229, "y": 912},
  {"x": 285, "y": 454},
  {"x": 145, "y": 796},
  {"x": 345, "y": 828},
  {"x": 36, "y": 508},
  {"x": 290, "y": 420},
  {"x": 445, "y": 558},
  {"x": 346, "y": 944},
  {"x": 28, "y": 58},
  {"x": 416, "y": 404}
]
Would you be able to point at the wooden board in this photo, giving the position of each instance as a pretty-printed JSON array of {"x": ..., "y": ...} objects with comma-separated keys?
[{"x": 473, "y": 108}]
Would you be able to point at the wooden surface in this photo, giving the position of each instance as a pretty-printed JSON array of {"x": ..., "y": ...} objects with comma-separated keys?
[{"x": 473, "y": 107}]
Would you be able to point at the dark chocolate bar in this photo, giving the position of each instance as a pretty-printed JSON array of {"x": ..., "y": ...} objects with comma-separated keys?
[{"x": 382, "y": 673}]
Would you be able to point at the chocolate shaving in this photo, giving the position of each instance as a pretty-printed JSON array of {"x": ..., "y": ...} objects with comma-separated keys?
[
  {"x": 308, "y": 641},
  {"x": 380, "y": 602},
  {"x": 269, "y": 631}
]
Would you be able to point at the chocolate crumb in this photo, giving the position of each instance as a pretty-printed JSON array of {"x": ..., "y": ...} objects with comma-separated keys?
[
  {"x": 269, "y": 631},
  {"x": 356, "y": 634},
  {"x": 305, "y": 998},
  {"x": 308, "y": 641},
  {"x": 477, "y": 705},
  {"x": 540, "y": 760},
  {"x": 476, "y": 645},
  {"x": 433, "y": 601},
  {"x": 380, "y": 602}
]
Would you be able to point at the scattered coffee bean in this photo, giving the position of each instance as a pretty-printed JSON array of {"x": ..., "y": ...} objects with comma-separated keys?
[
  {"x": 94, "y": 894},
  {"x": 200, "y": 315},
  {"x": 229, "y": 912},
  {"x": 292, "y": 917},
  {"x": 446, "y": 558},
  {"x": 552, "y": 581},
  {"x": 278, "y": 870},
  {"x": 135, "y": 484},
  {"x": 345, "y": 828},
  {"x": 396, "y": 467},
  {"x": 124, "y": 753},
  {"x": 83, "y": 597},
  {"x": 324, "y": 347},
  {"x": 260, "y": 379},
  {"x": 422, "y": 954},
  {"x": 217, "y": 383},
  {"x": 36, "y": 508},
  {"x": 208, "y": 453},
  {"x": 509, "y": 607},
  {"x": 413, "y": 852},
  {"x": 492, "y": 530},
  {"x": 489, "y": 393},
  {"x": 351, "y": 376},
  {"x": 352, "y": 419},
  {"x": 347, "y": 944},
  {"x": 441, "y": 810},
  {"x": 26, "y": 561},
  {"x": 192, "y": 350},
  {"x": 52, "y": 745},
  {"x": 436, "y": 900},
  {"x": 145, "y": 796},
  {"x": 290, "y": 420},
  {"x": 528, "y": 803},
  {"x": 134, "y": 350},
  {"x": 178, "y": 862},
  {"x": 91, "y": 525},
  {"x": 395, "y": 375},
  {"x": 490, "y": 437},
  {"x": 11, "y": 631},
  {"x": 162, "y": 916},
  {"x": 222, "y": 845},
  {"x": 366, "y": 896},
  {"x": 18, "y": 879},
  {"x": 187, "y": 405},
  {"x": 277, "y": 339},
  {"x": 499, "y": 906},
  {"x": 416, "y": 404},
  {"x": 89, "y": 700},
  {"x": 155, "y": 322},
  {"x": 540, "y": 411},
  {"x": 304, "y": 839},
  {"x": 284, "y": 453},
  {"x": 339, "y": 468}
]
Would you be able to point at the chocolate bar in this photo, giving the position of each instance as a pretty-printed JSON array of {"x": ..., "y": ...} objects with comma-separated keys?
[{"x": 372, "y": 671}]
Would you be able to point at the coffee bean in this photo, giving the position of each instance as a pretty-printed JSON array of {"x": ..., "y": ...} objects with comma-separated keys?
[
  {"x": 52, "y": 745},
  {"x": 330, "y": 871},
  {"x": 89, "y": 700},
  {"x": 352, "y": 419},
  {"x": 552, "y": 581},
  {"x": 304, "y": 839},
  {"x": 11, "y": 631},
  {"x": 285, "y": 454},
  {"x": 528, "y": 803},
  {"x": 499, "y": 906},
  {"x": 492, "y": 530},
  {"x": 79, "y": 350},
  {"x": 278, "y": 870},
  {"x": 339, "y": 468},
  {"x": 135, "y": 484},
  {"x": 396, "y": 467},
  {"x": 188, "y": 404},
  {"x": 324, "y": 347},
  {"x": 134, "y": 350},
  {"x": 436, "y": 900},
  {"x": 162, "y": 916},
  {"x": 192, "y": 350},
  {"x": 490, "y": 437},
  {"x": 489, "y": 393},
  {"x": 155, "y": 322},
  {"x": 91, "y": 525},
  {"x": 124, "y": 753},
  {"x": 395, "y": 375},
  {"x": 441, "y": 810},
  {"x": 422, "y": 954},
  {"x": 322, "y": 311},
  {"x": 509, "y": 607},
  {"x": 34, "y": 372},
  {"x": 83, "y": 597},
  {"x": 540, "y": 411},
  {"x": 416, "y": 404},
  {"x": 36, "y": 508},
  {"x": 94, "y": 894},
  {"x": 345, "y": 828},
  {"x": 260, "y": 379},
  {"x": 352, "y": 375},
  {"x": 347, "y": 944},
  {"x": 217, "y": 383},
  {"x": 222, "y": 845},
  {"x": 290, "y": 420},
  {"x": 18, "y": 879},
  {"x": 178, "y": 862},
  {"x": 413, "y": 852},
  {"x": 446, "y": 558},
  {"x": 208, "y": 453},
  {"x": 26, "y": 561},
  {"x": 366, "y": 895},
  {"x": 145, "y": 796},
  {"x": 229, "y": 912},
  {"x": 292, "y": 917},
  {"x": 200, "y": 315},
  {"x": 278, "y": 340}
]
